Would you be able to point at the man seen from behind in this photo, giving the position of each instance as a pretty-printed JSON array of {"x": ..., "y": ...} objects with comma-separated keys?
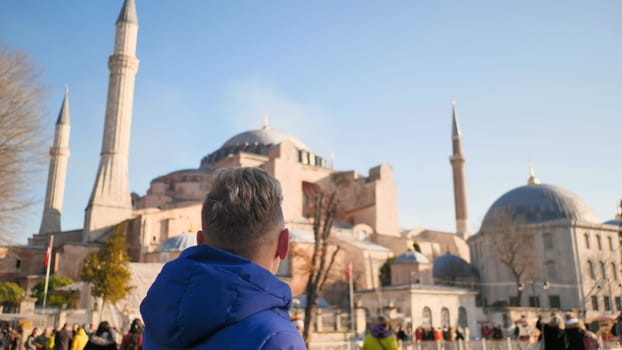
[{"x": 222, "y": 293}]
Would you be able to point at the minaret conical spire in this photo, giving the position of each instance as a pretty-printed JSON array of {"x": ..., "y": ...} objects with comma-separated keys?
[
  {"x": 110, "y": 201},
  {"x": 57, "y": 172},
  {"x": 63, "y": 115},
  {"x": 455, "y": 127},
  {"x": 457, "y": 166},
  {"x": 128, "y": 12}
]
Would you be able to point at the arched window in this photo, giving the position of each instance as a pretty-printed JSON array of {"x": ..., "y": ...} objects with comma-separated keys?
[
  {"x": 462, "y": 317},
  {"x": 550, "y": 270},
  {"x": 598, "y": 243},
  {"x": 614, "y": 270},
  {"x": 426, "y": 317},
  {"x": 603, "y": 269},
  {"x": 444, "y": 317},
  {"x": 587, "y": 240},
  {"x": 590, "y": 269},
  {"x": 610, "y": 242}
]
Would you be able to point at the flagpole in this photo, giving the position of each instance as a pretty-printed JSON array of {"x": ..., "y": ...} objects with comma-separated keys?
[
  {"x": 351, "y": 283},
  {"x": 48, "y": 256}
]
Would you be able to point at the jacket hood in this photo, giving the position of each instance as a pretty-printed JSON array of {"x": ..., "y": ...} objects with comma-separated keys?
[
  {"x": 204, "y": 290},
  {"x": 104, "y": 339},
  {"x": 380, "y": 332}
]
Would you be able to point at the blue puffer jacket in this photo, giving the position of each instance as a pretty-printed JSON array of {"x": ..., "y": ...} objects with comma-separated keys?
[{"x": 210, "y": 299}]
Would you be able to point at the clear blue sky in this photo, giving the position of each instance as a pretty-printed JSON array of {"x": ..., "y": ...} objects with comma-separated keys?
[{"x": 370, "y": 81}]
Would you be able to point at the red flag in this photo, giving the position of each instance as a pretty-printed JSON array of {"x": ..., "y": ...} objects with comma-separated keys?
[
  {"x": 48, "y": 254},
  {"x": 349, "y": 271}
]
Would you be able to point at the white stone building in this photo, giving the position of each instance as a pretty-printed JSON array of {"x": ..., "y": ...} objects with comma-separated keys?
[{"x": 562, "y": 256}]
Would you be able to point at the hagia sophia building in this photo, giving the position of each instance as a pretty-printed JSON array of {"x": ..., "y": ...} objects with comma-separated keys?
[{"x": 538, "y": 245}]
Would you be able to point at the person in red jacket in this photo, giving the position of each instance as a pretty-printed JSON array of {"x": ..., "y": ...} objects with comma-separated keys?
[{"x": 133, "y": 340}]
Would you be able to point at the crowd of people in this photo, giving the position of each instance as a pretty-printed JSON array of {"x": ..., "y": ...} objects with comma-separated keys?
[
  {"x": 76, "y": 337},
  {"x": 566, "y": 333},
  {"x": 560, "y": 332}
]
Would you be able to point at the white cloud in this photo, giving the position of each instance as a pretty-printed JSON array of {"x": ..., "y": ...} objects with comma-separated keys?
[{"x": 247, "y": 100}]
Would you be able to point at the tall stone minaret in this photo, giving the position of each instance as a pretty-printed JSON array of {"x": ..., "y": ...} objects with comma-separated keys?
[
  {"x": 57, "y": 174},
  {"x": 457, "y": 166},
  {"x": 110, "y": 202}
]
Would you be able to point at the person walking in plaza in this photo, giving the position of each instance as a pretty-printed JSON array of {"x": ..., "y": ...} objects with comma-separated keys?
[
  {"x": 102, "y": 339},
  {"x": 222, "y": 293},
  {"x": 29, "y": 344},
  {"x": 63, "y": 337},
  {"x": 380, "y": 336},
  {"x": 42, "y": 341},
  {"x": 80, "y": 338},
  {"x": 553, "y": 334},
  {"x": 575, "y": 332},
  {"x": 133, "y": 340}
]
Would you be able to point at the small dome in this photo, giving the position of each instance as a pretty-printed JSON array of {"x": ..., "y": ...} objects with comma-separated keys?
[
  {"x": 614, "y": 222},
  {"x": 449, "y": 268},
  {"x": 410, "y": 257},
  {"x": 535, "y": 203},
  {"x": 178, "y": 243}
]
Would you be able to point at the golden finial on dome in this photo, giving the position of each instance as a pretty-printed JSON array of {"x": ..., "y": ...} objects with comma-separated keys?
[
  {"x": 619, "y": 211},
  {"x": 265, "y": 121},
  {"x": 533, "y": 180}
]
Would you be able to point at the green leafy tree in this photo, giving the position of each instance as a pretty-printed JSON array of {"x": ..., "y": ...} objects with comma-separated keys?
[
  {"x": 11, "y": 294},
  {"x": 385, "y": 272},
  {"x": 56, "y": 281},
  {"x": 107, "y": 270}
]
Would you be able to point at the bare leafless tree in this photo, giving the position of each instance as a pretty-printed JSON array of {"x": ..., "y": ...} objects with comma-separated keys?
[
  {"x": 513, "y": 243},
  {"x": 321, "y": 260},
  {"x": 21, "y": 137}
]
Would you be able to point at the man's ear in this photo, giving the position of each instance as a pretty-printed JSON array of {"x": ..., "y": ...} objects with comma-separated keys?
[
  {"x": 200, "y": 238},
  {"x": 283, "y": 244}
]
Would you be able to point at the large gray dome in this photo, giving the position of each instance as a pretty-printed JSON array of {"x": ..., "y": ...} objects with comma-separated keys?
[
  {"x": 254, "y": 141},
  {"x": 263, "y": 137},
  {"x": 535, "y": 203}
]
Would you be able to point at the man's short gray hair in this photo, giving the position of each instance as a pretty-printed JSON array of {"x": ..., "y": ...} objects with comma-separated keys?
[{"x": 243, "y": 204}]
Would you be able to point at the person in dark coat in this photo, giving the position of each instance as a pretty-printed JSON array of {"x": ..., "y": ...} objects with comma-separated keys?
[
  {"x": 102, "y": 339},
  {"x": 575, "y": 331},
  {"x": 553, "y": 335},
  {"x": 63, "y": 338}
]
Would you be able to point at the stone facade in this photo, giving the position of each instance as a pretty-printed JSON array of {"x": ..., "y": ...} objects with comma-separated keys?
[{"x": 424, "y": 305}]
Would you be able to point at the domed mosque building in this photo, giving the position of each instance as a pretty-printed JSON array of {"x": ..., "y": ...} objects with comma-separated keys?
[{"x": 540, "y": 245}]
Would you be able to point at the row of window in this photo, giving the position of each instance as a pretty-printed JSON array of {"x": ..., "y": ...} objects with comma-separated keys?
[
  {"x": 554, "y": 301},
  {"x": 606, "y": 303},
  {"x": 599, "y": 244},
  {"x": 306, "y": 157},
  {"x": 603, "y": 270}
]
